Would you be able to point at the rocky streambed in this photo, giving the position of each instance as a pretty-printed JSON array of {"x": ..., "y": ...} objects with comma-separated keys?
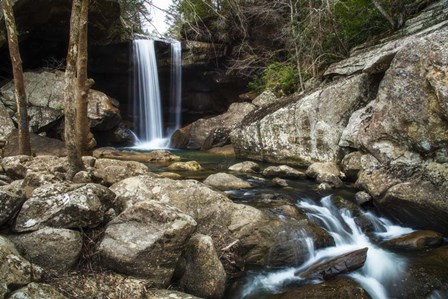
[{"x": 128, "y": 229}]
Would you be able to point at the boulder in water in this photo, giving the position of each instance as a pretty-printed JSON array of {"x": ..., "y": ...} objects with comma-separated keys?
[
  {"x": 188, "y": 166},
  {"x": 225, "y": 181},
  {"x": 245, "y": 167},
  {"x": 417, "y": 240},
  {"x": 327, "y": 172},
  {"x": 283, "y": 171}
]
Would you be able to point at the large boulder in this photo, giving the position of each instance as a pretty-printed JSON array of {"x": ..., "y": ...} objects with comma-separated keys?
[
  {"x": 40, "y": 145},
  {"x": 64, "y": 205},
  {"x": 203, "y": 274},
  {"x": 217, "y": 127},
  {"x": 15, "y": 271},
  {"x": 51, "y": 248},
  {"x": 110, "y": 171},
  {"x": 307, "y": 128},
  {"x": 146, "y": 240}
]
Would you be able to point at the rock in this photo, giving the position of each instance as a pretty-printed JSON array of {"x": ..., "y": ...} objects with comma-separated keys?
[
  {"x": 266, "y": 98},
  {"x": 167, "y": 294},
  {"x": 325, "y": 173},
  {"x": 225, "y": 181},
  {"x": 64, "y": 206},
  {"x": 246, "y": 167},
  {"x": 102, "y": 111},
  {"x": 283, "y": 171},
  {"x": 204, "y": 275},
  {"x": 37, "y": 291},
  {"x": 82, "y": 177},
  {"x": 335, "y": 288},
  {"x": 188, "y": 166},
  {"x": 51, "y": 248},
  {"x": 418, "y": 204},
  {"x": 324, "y": 187},
  {"x": 280, "y": 182},
  {"x": 10, "y": 203},
  {"x": 101, "y": 285},
  {"x": 170, "y": 175},
  {"x": 376, "y": 183},
  {"x": 6, "y": 124},
  {"x": 146, "y": 241},
  {"x": 153, "y": 156},
  {"x": 202, "y": 128},
  {"x": 339, "y": 265},
  {"x": 362, "y": 197},
  {"x": 15, "y": 270},
  {"x": 305, "y": 128},
  {"x": 40, "y": 145},
  {"x": 217, "y": 137},
  {"x": 417, "y": 240},
  {"x": 351, "y": 165},
  {"x": 14, "y": 166},
  {"x": 162, "y": 156},
  {"x": 226, "y": 150},
  {"x": 110, "y": 171},
  {"x": 34, "y": 180},
  {"x": 180, "y": 137}
]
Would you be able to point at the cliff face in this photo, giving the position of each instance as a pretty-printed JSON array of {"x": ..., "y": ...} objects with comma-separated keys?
[{"x": 389, "y": 103}]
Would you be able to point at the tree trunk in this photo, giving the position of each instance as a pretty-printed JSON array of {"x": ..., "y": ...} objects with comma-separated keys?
[
  {"x": 74, "y": 155},
  {"x": 384, "y": 13},
  {"x": 16, "y": 61}
]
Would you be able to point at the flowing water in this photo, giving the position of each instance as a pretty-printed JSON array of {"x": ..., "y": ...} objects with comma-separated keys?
[
  {"x": 381, "y": 270},
  {"x": 148, "y": 117}
]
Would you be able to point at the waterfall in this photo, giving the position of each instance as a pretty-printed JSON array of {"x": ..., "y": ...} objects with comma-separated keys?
[
  {"x": 148, "y": 119},
  {"x": 381, "y": 269},
  {"x": 176, "y": 86}
]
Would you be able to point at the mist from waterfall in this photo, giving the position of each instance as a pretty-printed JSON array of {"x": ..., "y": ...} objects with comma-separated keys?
[{"x": 148, "y": 115}]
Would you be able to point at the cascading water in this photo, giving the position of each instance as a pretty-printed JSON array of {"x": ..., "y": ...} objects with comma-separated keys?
[
  {"x": 148, "y": 122},
  {"x": 380, "y": 269}
]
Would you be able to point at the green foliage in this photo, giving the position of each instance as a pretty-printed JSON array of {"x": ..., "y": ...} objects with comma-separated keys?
[{"x": 281, "y": 78}]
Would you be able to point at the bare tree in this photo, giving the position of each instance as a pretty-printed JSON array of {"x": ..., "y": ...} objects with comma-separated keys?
[
  {"x": 76, "y": 88},
  {"x": 16, "y": 61}
]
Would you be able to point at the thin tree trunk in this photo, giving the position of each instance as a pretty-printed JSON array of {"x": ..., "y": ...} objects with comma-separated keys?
[
  {"x": 17, "y": 70},
  {"x": 83, "y": 83},
  {"x": 384, "y": 13},
  {"x": 73, "y": 153}
]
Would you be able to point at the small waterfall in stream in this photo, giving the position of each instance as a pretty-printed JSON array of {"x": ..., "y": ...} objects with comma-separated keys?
[
  {"x": 148, "y": 116},
  {"x": 381, "y": 268}
]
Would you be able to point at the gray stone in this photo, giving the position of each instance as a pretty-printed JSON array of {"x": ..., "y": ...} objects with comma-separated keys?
[
  {"x": 327, "y": 172},
  {"x": 51, "y": 248},
  {"x": 6, "y": 124},
  {"x": 110, "y": 171},
  {"x": 204, "y": 275},
  {"x": 10, "y": 203},
  {"x": 37, "y": 291},
  {"x": 64, "y": 205},
  {"x": 266, "y": 98},
  {"x": 351, "y": 165},
  {"x": 225, "y": 181},
  {"x": 146, "y": 241},
  {"x": 362, "y": 197},
  {"x": 246, "y": 167}
]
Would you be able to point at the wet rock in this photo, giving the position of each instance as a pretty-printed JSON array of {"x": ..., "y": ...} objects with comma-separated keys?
[
  {"x": 204, "y": 275},
  {"x": 225, "y": 181},
  {"x": 153, "y": 156},
  {"x": 15, "y": 270},
  {"x": 417, "y": 240},
  {"x": 10, "y": 203},
  {"x": 336, "y": 288},
  {"x": 110, "y": 171},
  {"x": 181, "y": 137},
  {"x": 245, "y": 167},
  {"x": 362, "y": 197},
  {"x": 283, "y": 171},
  {"x": 351, "y": 165},
  {"x": 37, "y": 291},
  {"x": 188, "y": 166},
  {"x": 50, "y": 248},
  {"x": 325, "y": 173},
  {"x": 324, "y": 187},
  {"x": 339, "y": 265},
  {"x": 146, "y": 240},
  {"x": 280, "y": 182},
  {"x": 64, "y": 205}
]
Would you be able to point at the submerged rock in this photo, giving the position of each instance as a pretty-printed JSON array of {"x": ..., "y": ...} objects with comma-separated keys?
[
  {"x": 146, "y": 240},
  {"x": 188, "y": 166},
  {"x": 225, "y": 181}
]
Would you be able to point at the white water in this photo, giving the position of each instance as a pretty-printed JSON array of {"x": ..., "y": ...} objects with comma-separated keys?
[
  {"x": 380, "y": 269},
  {"x": 148, "y": 121}
]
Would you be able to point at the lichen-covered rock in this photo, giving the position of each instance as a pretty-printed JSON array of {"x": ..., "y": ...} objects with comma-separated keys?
[
  {"x": 283, "y": 171},
  {"x": 203, "y": 275},
  {"x": 10, "y": 203},
  {"x": 351, "y": 165},
  {"x": 146, "y": 241},
  {"x": 110, "y": 171},
  {"x": 326, "y": 172},
  {"x": 37, "y": 291},
  {"x": 15, "y": 166},
  {"x": 51, "y": 248},
  {"x": 225, "y": 181},
  {"x": 64, "y": 205},
  {"x": 15, "y": 271},
  {"x": 246, "y": 167},
  {"x": 6, "y": 124},
  {"x": 266, "y": 98},
  {"x": 188, "y": 166},
  {"x": 305, "y": 130}
]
